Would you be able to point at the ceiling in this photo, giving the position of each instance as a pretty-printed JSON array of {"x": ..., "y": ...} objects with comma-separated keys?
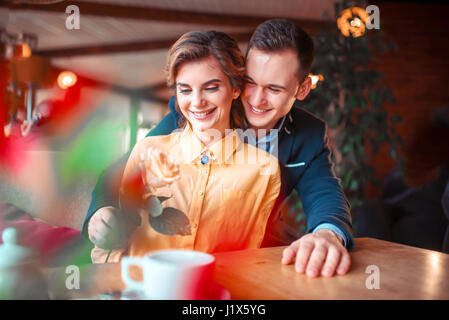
[{"x": 125, "y": 42}]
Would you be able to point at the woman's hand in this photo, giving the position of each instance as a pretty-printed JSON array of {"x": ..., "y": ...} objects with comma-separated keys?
[{"x": 109, "y": 228}]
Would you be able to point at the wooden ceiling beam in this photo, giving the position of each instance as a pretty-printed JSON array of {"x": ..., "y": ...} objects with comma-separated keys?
[
  {"x": 149, "y": 13},
  {"x": 121, "y": 47}
]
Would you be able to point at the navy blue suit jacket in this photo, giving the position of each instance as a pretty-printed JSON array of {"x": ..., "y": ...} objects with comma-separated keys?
[{"x": 304, "y": 158}]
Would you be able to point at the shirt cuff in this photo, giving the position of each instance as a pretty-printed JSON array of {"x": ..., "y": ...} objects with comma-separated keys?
[{"x": 332, "y": 228}]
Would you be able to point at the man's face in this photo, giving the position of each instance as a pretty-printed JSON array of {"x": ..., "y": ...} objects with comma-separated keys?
[{"x": 271, "y": 86}]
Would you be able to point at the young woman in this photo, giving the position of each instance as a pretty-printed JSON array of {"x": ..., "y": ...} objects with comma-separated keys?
[{"x": 224, "y": 187}]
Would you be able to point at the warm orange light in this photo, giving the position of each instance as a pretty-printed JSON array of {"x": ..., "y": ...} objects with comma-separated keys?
[
  {"x": 356, "y": 23},
  {"x": 352, "y": 22},
  {"x": 26, "y": 50},
  {"x": 66, "y": 79},
  {"x": 315, "y": 79},
  {"x": 22, "y": 50}
]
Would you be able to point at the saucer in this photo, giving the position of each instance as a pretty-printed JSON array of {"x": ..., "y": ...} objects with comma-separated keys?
[{"x": 216, "y": 292}]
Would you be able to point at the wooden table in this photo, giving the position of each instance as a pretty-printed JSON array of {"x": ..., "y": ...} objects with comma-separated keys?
[{"x": 404, "y": 273}]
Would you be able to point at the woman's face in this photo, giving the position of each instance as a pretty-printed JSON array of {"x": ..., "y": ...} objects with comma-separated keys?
[{"x": 204, "y": 94}]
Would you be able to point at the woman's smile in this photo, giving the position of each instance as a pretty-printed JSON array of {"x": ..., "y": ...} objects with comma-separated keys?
[{"x": 203, "y": 115}]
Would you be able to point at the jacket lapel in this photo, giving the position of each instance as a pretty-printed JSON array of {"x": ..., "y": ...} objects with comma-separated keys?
[{"x": 286, "y": 138}]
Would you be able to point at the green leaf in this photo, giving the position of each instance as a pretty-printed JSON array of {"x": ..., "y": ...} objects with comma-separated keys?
[{"x": 171, "y": 222}]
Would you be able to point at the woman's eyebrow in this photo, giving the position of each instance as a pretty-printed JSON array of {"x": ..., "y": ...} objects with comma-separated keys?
[
  {"x": 211, "y": 81},
  {"x": 181, "y": 84}
]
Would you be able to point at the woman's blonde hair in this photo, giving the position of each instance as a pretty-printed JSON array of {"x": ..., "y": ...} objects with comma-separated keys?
[{"x": 193, "y": 46}]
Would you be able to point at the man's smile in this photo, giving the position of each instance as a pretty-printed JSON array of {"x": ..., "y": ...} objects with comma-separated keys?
[{"x": 258, "y": 111}]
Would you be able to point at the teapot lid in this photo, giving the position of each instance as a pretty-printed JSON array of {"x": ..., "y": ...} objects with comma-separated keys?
[{"x": 13, "y": 254}]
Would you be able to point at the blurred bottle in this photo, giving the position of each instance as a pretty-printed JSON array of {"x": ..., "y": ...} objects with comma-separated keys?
[{"x": 20, "y": 275}]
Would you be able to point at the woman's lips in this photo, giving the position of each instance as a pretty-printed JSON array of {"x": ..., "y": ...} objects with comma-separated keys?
[
  {"x": 258, "y": 111},
  {"x": 203, "y": 114}
]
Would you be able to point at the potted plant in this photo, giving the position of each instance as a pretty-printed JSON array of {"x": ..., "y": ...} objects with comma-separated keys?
[{"x": 351, "y": 98}]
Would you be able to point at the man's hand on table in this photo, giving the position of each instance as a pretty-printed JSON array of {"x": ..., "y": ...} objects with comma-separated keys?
[
  {"x": 110, "y": 229},
  {"x": 318, "y": 253}
]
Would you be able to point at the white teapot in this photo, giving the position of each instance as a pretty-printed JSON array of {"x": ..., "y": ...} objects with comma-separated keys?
[{"x": 20, "y": 275}]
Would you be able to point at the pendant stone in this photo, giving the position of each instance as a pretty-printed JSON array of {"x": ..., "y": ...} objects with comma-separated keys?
[{"x": 204, "y": 159}]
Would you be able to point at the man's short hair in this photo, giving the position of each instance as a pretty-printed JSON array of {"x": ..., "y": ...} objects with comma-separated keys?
[{"x": 279, "y": 34}]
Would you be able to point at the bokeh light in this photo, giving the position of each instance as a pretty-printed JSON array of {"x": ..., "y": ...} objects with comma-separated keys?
[
  {"x": 352, "y": 22},
  {"x": 315, "y": 79},
  {"x": 67, "y": 79}
]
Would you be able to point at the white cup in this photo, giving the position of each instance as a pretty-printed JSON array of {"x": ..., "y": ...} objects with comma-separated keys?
[{"x": 171, "y": 274}]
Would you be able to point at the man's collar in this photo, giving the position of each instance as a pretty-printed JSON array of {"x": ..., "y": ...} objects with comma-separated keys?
[
  {"x": 280, "y": 123},
  {"x": 288, "y": 125}
]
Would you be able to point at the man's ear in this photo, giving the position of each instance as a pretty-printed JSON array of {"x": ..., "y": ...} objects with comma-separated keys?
[
  {"x": 304, "y": 89},
  {"x": 235, "y": 93}
]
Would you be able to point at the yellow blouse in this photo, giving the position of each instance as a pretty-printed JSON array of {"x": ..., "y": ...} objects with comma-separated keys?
[{"x": 227, "y": 200}]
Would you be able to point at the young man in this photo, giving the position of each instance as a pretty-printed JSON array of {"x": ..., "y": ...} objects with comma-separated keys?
[{"x": 278, "y": 62}]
